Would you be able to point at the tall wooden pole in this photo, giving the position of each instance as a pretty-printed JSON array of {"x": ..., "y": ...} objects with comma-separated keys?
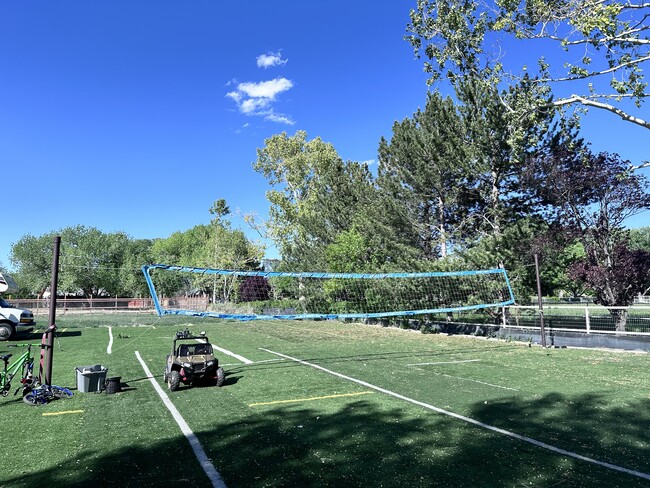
[
  {"x": 539, "y": 303},
  {"x": 49, "y": 344}
]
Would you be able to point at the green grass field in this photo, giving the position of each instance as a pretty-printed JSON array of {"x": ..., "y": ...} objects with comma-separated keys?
[{"x": 388, "y": 407}]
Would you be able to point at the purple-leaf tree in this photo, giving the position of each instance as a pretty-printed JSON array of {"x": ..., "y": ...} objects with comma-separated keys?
[
  {"x": 254, "y": 288},
  {"x": 590, "y": 197},
  {"x": 618, "y": 284}
]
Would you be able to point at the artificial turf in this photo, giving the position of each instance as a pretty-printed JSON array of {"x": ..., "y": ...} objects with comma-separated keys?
[{"x": 277, "y": 422}]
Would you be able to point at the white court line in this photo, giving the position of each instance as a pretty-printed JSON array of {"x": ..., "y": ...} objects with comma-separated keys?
[
  {"x": 470, "y": 420},
  {"x": 206, "y": 464},
  {"x": 459, "y": 377},
  {"x": 253, "y": 363},
  {"x": 446, "y": 362},
  {"x": 230, "y": 353},
  {"x": 109, "y": 348}
]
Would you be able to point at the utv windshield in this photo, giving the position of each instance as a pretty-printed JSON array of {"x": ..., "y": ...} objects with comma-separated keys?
[{"x": 193, "y": 349}]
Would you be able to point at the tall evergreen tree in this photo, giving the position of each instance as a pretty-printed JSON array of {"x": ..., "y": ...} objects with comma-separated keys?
[{"x": 423, "y": 177}]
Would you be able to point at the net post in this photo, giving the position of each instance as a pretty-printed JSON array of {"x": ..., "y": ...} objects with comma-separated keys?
[
  {"x": 152, "y": 289},
  {"x": 49, "y": 343}
]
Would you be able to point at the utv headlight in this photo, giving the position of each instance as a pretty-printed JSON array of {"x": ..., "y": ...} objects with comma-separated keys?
[
  {"x": 209, "y": 363},
  {"x": 187, "y": 365}
]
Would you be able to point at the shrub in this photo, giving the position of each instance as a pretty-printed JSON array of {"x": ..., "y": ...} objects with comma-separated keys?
[{"x": 254, "y": 288}]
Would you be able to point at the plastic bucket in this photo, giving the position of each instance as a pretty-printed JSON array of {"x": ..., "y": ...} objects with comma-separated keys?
[{"x": 90, "y": 378}]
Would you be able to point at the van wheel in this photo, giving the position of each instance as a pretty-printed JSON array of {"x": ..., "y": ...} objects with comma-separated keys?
[{"x": 6, "y": 331}]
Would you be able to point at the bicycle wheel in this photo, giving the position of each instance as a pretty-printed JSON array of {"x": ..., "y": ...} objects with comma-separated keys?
[
  {"x": 28, "y": 368},
  {"x": 33, "y": 398},
  {"x": 60, "y": 392}
]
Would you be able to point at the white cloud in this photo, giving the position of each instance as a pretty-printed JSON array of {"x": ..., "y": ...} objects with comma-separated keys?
[
  {"x": 253, "y": 105},
  {"x": 258, "y": 98},
  {"x": 270, "y": 59},
  {"x": 265, "y": 89},
  {"x": 236, "y": 96},
  {"x": 282, "y": 119}
]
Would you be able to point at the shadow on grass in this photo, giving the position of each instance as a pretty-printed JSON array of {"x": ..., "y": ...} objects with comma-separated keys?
[
  {"x": 38, "y": 335},
  {"x": 387, "y": 355},
  {"x": 10, "y": 399},
  {"x": 368, "y": 444},
  {"x": 587, "y": 424},
  {"x": 125, "y": 385}
]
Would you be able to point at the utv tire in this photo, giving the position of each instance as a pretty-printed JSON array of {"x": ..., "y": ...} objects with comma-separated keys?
[
  {"x": 221, "y": 376},
  {"x": 174, "y": 379}
]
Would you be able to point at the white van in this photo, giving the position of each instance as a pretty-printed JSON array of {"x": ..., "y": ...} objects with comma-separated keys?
[{"x": 12, "y": 320}]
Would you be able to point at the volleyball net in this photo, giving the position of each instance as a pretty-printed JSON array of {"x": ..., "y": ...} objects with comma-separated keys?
[{"x": 269, "y": 295}]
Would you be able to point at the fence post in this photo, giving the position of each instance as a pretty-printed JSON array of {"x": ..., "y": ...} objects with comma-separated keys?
[
  {"x": 540, "y": 303},
  {"x": 587, "y": 320}
]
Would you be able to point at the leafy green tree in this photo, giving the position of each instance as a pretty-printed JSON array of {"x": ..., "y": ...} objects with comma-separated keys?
[
  {"x": 555, "y": 275},
  {"x": 314, "y": 196},
  {"x": 640, "y": 238},
  {"x": 183, "y": 248},
  {"x": 231, "y": 249},
  {"x": 32, "y": 258},
  {"x": 350, "y": 253},
  {"x": 91, "y": 261},
  {"x": 216, "y": 245},
  {"x": 292, "y": 165},
  {"x": 130, "y": 278},
  {"x": 600, "y": 48},
  {"x": 513, "y": 249}
]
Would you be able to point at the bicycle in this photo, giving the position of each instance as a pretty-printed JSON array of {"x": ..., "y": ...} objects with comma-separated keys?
[
  {"x": 42, "y": 394},
  {"x": 24, "y": 363}
]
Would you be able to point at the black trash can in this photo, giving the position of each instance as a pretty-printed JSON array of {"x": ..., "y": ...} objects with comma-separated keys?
[{"x": 113, "y": 384}]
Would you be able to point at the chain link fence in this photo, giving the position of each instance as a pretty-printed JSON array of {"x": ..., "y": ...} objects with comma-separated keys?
[{"x": 585, "y": 318}]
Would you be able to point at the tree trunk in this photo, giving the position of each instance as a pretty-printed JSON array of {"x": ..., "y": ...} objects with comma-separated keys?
[
  {"x": 427, "y": 237},
  {"x": 495, "y": 195},
  {"x": 441, "y": 227},
  {"x": 620, "y": 318}
]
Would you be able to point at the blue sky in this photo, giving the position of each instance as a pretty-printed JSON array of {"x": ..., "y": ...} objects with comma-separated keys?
[{"x": 136, "y": 116}]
